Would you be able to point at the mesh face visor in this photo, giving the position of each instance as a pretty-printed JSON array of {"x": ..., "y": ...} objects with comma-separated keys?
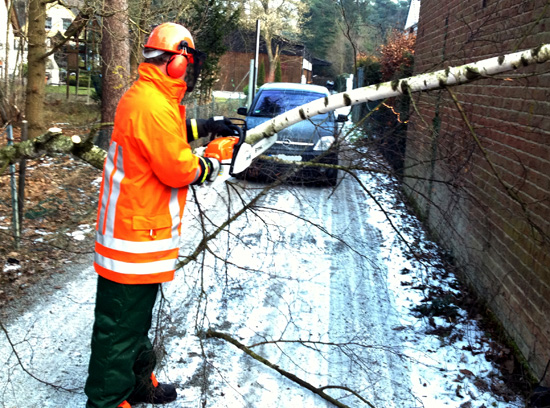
[{"x": 195, "y": 60}]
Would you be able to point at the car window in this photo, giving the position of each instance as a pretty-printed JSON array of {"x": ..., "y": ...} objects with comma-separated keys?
[{"x": 273, "y": 102}]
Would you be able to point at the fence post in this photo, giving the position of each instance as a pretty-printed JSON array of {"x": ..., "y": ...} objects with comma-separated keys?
[
  {"x": 22, "y": 175},
  {"x": 14, "y": 201}
]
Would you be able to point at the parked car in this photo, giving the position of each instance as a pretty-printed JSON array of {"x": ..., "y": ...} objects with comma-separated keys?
[{"x": 308, "y": 140}]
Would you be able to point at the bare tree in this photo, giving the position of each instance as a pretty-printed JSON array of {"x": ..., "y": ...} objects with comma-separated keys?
[{"x": 276, "y": 17}]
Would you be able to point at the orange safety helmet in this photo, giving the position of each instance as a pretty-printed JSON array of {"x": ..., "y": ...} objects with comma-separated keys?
[
  {"x": 173, "y": 38},
  {"x": 169, "y": 37}
]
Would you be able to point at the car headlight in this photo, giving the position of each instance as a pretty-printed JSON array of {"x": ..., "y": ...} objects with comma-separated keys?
[{"x": 324, "y": 143}]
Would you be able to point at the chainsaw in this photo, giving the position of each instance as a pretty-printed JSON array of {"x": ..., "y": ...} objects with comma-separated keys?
[{"x": 234, "y": 154}]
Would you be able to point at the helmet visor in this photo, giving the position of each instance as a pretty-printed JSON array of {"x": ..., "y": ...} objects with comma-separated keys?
[{"x": 195, "y": 59}]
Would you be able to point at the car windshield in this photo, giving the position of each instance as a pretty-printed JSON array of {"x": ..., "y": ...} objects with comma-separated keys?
[{"x": 273, "y": 102}]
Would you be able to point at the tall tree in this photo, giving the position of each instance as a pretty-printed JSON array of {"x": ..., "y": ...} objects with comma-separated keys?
[
  {"x": 278, "y": 18},
  {"x": 210, "y": 21},
  {"x": 319, "y": 28},
  {"x": 36, "y": 60},
  {"x": 36, "y": 63},
  {"x": 115, "y": 53}
]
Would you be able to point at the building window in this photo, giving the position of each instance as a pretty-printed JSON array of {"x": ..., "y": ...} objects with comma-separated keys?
[
  {"x": 48, "y": 23},
  {"x": 66, "y": 23}
]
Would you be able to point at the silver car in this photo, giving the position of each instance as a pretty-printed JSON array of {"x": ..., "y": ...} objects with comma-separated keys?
[{"x": 309, "y": 140}]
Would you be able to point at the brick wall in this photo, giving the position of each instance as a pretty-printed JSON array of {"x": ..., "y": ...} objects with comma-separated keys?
[{"x": 489, "y": 205}]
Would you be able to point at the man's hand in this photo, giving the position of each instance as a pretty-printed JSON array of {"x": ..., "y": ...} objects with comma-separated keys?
[
  {"x": 213, "y": 168},
  {"x": 210, "y": 168},
  {"x": 211, "y": 128},
  {"x": 219, "y": 126}
]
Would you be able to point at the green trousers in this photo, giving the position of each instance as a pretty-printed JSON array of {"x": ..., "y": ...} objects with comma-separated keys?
[{"x": 122, "y": 358}]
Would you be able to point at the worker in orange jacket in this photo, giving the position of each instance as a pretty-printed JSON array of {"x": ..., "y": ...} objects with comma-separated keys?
[{"x": 147, "y": 172}]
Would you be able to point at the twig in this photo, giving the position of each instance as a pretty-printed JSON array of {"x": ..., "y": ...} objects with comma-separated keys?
[
  {"x": 20, "y": 362},
  {"x": 318, "y": 391}
]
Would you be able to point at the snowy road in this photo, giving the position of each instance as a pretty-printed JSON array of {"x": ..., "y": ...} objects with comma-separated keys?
[{"x": 310, "y": 277}]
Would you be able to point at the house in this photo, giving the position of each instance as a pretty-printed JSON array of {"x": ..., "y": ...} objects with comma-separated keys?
[
  {"x": 479, "y": 176},
  {"x": 412, "y": 16},
  {"x": 11, "y": 54},
  {"x": 58, "y": 19},
  {"x": 297, "y": 64}
]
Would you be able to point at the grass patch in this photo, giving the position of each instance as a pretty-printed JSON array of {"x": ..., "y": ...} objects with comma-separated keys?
[{"x": 62, "y": 90}]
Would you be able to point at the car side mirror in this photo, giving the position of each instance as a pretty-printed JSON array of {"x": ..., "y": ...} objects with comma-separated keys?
[
  {"x": 342, "y": 118},
  {"x": 242, "y": 111}
]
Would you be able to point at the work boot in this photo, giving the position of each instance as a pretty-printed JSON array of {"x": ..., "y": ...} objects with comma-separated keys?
[{"x": 160, "y": 394}]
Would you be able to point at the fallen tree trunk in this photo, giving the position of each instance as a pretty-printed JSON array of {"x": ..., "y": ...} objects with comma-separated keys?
[
  {"x": 425, "y": 82},
  {"x": 56, "y": 142}
]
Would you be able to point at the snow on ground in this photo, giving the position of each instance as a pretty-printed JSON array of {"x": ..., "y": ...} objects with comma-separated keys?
[{"x": 314, "y": 280}]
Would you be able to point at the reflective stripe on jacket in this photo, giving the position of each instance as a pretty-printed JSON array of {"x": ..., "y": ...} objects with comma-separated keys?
[{"x": 148, "y": 168}]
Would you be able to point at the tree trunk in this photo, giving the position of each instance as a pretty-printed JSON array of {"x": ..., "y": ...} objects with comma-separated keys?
[
  {"x": 140, "y": 32},
  {"x": 36, "y": 74},
  {"x": 424, "y": 82},
  {"x": 116, "y": 64}
]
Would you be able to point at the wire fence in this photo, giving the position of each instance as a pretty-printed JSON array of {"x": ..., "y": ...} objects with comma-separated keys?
[{"x": 222, "y": 105}]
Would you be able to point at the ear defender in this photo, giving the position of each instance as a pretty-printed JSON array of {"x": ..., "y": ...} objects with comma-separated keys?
[{"x": 176, "y": 65}]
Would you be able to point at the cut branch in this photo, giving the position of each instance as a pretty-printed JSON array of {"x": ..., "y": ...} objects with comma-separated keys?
[
  {"x": 318, "y": 391},
  {"x": 50, "y": 142}
]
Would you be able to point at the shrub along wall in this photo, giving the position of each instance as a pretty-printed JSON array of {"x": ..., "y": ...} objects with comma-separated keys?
[{"x": 484, "y": 191}]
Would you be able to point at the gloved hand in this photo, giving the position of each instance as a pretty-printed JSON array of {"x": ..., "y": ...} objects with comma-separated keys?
[
  {"x": 215, "y": 126},
  {"x": 213, "y": 168},
  {"x": 210, "y": 168},
  {"x": 219, "y": 126}
]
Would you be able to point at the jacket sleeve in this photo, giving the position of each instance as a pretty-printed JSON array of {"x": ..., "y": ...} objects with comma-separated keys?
[
  {"x": 163, "y": 139},
  {"x": 196, "y": 129}
]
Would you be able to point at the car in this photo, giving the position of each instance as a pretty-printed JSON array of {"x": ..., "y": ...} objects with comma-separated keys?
[{"x": 308, "y": 140}]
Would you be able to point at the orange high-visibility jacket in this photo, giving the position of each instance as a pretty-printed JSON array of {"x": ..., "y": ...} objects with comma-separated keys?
[{"x": 148, "y": 168}]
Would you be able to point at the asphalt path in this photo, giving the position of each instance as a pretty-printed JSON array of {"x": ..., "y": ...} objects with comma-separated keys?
[{"x": 298, "y": 277}]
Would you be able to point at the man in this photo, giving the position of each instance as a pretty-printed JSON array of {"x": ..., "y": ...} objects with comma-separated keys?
[{"x": 148, "y": 168}]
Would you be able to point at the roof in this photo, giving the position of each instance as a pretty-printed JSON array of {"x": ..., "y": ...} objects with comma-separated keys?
[{"x": 245, "y": 41}]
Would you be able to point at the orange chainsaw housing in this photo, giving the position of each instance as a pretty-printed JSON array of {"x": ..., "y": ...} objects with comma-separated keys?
[{"x": 221, "y": 148}]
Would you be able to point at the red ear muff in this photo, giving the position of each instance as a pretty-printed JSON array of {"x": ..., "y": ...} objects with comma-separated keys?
[{"x": 176, "y": 66}]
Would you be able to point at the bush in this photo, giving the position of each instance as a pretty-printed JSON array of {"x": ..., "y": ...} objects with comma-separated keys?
[
  {"x": 83, "y": 79},
  {"x": 397, "y": 55}
]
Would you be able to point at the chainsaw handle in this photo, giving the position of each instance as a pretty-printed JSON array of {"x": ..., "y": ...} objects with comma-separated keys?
[
  {"x": 241, "y": 138},
  {"x": 239, "y": 130}
]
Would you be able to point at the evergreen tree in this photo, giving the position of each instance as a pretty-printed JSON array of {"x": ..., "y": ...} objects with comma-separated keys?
[
  {"x": 261, "y": 74},
  {"x": 278, "y": 72}
]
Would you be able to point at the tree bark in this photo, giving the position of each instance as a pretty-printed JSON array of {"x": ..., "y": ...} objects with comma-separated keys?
[
  {"x": 115, "y": 52},
  {"x": 36, "y": 74}
]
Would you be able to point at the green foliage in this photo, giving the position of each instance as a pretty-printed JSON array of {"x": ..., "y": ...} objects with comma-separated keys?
[
  {"x": 372, "y": 69},
  {"x": 359, "y": 27},
  {"x": 278, "y": 72},
  {"x": 83, "y": 79},
  {"x": 261, "y": 75},
  {"x": 209, "y": 21},
  {"x": 320, "y": 29}
]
